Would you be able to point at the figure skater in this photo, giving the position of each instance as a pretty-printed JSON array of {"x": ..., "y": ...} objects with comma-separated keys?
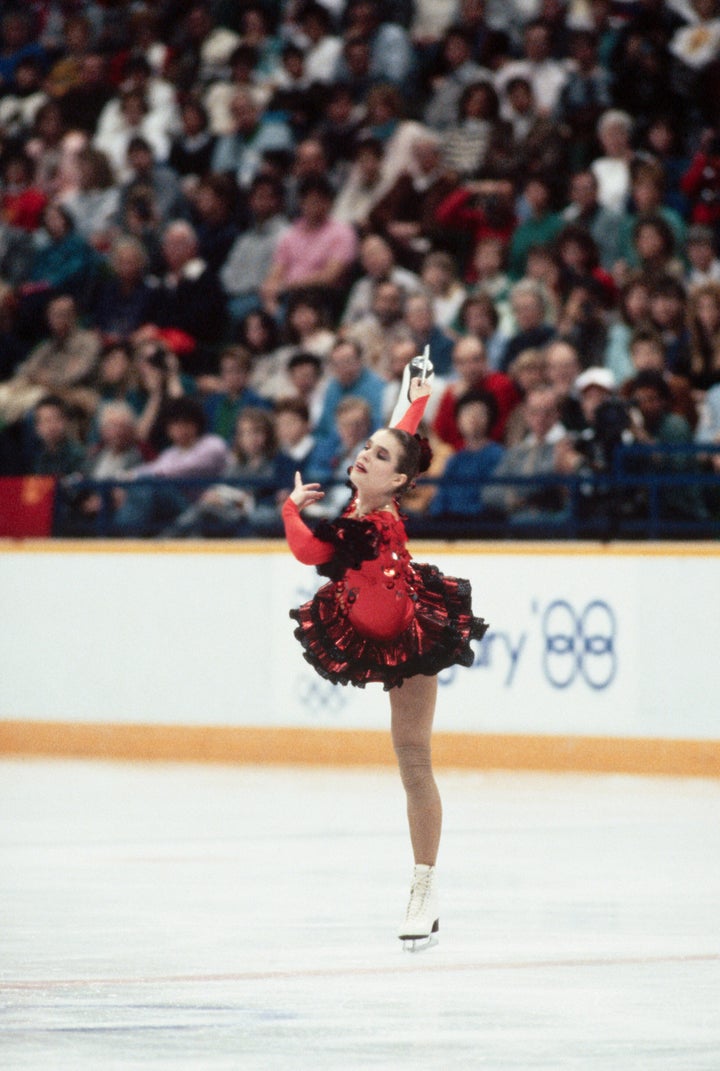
[{"x": 383, "y": 617}]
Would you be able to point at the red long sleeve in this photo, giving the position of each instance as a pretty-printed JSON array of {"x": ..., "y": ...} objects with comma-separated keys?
[
  {"x": 411, "y": 420},
  {"x": 306, "y": 547}
]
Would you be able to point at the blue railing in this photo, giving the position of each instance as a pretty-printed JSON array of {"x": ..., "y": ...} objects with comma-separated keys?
[{"x": 649, "y": 492}]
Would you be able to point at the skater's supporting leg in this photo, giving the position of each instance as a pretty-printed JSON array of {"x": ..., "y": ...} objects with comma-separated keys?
[{"x": 413, "y": 708}]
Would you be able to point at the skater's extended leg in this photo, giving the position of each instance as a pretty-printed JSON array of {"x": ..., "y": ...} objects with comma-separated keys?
[{"x": 413, "y": 708}]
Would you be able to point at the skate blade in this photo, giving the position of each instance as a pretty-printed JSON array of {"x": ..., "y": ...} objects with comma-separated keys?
[{"x": 419, "y": 944}]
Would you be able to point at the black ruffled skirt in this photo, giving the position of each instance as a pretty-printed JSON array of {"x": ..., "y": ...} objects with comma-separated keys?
[{"x": 438, "y": 636}]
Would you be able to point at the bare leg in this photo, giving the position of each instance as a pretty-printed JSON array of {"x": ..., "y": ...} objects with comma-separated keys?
[{"x": 413, "y": 707}]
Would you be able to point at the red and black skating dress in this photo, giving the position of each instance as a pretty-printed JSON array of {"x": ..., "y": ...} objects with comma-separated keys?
[{"x": 381, "y": 617}]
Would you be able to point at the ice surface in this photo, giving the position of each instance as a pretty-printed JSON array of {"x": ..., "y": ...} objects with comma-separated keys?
[{"x": 200, "y": 917}]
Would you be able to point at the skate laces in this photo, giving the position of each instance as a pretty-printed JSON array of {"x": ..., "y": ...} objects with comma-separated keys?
[{"x": 420, "y": 894}]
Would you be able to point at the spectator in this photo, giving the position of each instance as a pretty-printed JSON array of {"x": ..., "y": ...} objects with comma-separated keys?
[
  {"x": 65, "y": 72},
  {"x": 459, "y": 492},
  {"x": 57, "y": 452},
  {"x": 384, "y": 321},
  {"x": 16, "y": 254},
  {"x": 95, "y": 203},
  {"x": 159, "y": 384},
  {"x": 63, "y": 365},
  {"x": 591, "y": 452},
  {"x": 602, "y": 223},
  {"x": 563, "y": 370},
  {"x": 223, "y": 407},
  {"x": 22, "y": 203},
  {"x": 349, "y": 376},
  {"x": 547, "y": 75},
  {"x": 336, "y": 453},
  {"x": 214, "y": 203},
  {"x": 406, "y": 214},
  {"x": 585, "y": 95},
  {"x": 151, "y": 185},
  {"x": 647, "y": 353},
  {"x": 529, "y": 308},
  {"x": 116, "y": 380},
  {"x": 240, "y": 152},
  {"x": 21, "y": 100},
  {"x": 362, "y": 186},
  {"x": 459, "y": 70},
  {"x": 528, "y": 371},
  {"x": 265, "y": 476},
  {"x": 251, "y": 254},
  {"x": 390, "y": 51},
  {"x": 633, "y": 312},
  {"x": 122, "y": 297},
  {"x": 294, "y": 435},
  {"x": 308, "y": 161},
  {"x": 323, "y": 48},
  {"x": 473, "y": 143},
  {"x": 378, "y": 264},
  {"x": 487, "y": 272},
  {"x": 612, "y": 170},
  {"x": 192, "y": 147},
  {"x": 115, "y": 453},
  {"x": 154, "y": 496},
  {"x": 83, "y": 103},
  {"x": 652, "y": 396},
  {"x": 308, "y": 384},
  {"x": 159, "y": 105},
  {"x": 135, "y": 121},
  {"x": 540, "y": 228},
  {"x": 439, "y": 277},
  {"x": 536, "y": 147},
  {"x": 188, "y": 296},
  {"x": 704, "y": 324},
  {"x": 239, "y": 75},
  {"x": 63, "y": 262},
  {"x": 53, "y": 147},
  {"x": 704, "y": 263},
  {"x": 668, "y": 317},
  {"x": 339, "y": 125},
  {"x": 533, "y": 457},
  {"x": 472, "y": 374},
  {"x": 648, "y": 198},
  {"x": 479, "y": 317},
  {"x": 419, "y": 324},
  {"x": 315, "y": 251}
]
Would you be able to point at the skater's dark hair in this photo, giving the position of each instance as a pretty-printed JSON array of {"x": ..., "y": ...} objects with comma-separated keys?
[{"x": 415, "y": 456}]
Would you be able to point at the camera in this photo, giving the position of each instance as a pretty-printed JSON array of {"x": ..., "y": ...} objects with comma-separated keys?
[{"x": 612, "y": 420}]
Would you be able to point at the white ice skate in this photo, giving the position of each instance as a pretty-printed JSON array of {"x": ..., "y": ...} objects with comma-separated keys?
[
  {"x": 420, "y": 367},
  {"x": 420, "y": 927}
]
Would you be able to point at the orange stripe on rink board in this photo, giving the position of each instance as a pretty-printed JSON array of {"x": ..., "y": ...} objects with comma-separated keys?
[
  {"x": 419, "y": 548},
  {"x": 687, "y": 758}
]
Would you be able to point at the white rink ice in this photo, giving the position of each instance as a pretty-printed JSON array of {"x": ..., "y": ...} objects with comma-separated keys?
[{"x": 200, "y": 917}]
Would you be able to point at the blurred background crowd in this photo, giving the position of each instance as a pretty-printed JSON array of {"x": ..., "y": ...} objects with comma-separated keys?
[{"x": 226, "y": 227}]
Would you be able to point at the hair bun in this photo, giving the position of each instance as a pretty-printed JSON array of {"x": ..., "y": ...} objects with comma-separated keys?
[{"x": 425, "y": 454}]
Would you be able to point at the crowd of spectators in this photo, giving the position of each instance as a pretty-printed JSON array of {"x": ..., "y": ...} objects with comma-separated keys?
[{"x": 226, "y": 227}]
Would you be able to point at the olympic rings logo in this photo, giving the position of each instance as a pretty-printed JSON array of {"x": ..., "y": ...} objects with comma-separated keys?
[
  {"x": 579, "y": 645},
  {"x": 320, "y": 697}
]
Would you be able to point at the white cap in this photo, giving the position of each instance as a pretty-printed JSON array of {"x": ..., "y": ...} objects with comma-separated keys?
[{"x": 595, "y": 377}]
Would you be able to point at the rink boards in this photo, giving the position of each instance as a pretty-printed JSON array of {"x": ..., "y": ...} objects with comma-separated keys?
[{"x": 597, "y": 657}]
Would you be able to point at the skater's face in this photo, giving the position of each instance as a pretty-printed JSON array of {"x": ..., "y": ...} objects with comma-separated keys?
[{"x": 376, "y": 467}]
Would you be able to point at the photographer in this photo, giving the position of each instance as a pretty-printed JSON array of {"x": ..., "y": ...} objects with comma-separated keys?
[{"x": 590, "y": 453}]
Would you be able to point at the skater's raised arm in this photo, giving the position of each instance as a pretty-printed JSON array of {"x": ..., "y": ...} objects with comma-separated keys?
[
  {"x": 419, "y": 393},
  {"x": 306, "y": 547}
]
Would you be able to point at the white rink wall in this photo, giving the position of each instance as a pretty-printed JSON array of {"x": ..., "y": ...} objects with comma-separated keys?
[{"x": 584, "y": 641}]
